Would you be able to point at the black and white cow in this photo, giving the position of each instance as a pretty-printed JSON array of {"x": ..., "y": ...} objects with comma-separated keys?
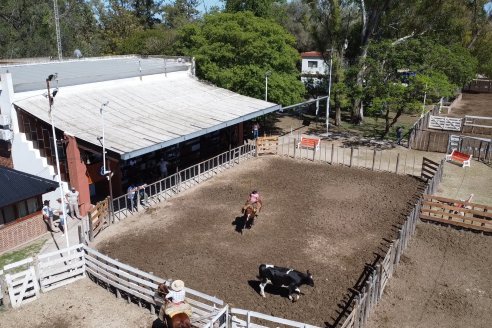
[{"x": 284, "y": 277}]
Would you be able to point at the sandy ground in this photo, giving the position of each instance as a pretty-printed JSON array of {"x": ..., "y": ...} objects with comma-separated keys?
[
  {"x": 80, "y": 304},
  {"x": 473, "y": 104},
  {"x": 443, "y": 281},
  {"x": 329, "y": 220}
]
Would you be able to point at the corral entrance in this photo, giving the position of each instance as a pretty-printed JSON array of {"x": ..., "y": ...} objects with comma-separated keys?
[{"x": 328, "y": 219}]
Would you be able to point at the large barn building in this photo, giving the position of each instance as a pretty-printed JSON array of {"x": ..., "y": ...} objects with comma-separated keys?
[{"x": 150, "y": 109}]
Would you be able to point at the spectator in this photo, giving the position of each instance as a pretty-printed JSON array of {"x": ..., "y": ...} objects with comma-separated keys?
[
  {"x": 48, "y": 215},
  {"x": 73, "y": 203},
  {"x": 256, "y": 129},
  {"x": 59, "y": 211},
  {"x": 163, "y": 167},
  {"x": 131, "y": 194},
  {"x": 399, "y": 135}
]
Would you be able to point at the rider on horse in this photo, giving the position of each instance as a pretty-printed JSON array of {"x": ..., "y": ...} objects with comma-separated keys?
[
  {"x": 174, "y": 300},
  {"x": 254, "y": 200}
]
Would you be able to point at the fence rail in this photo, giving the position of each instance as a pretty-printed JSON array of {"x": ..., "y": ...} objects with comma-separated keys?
[
  {"x": 360, "y": 157},
  {"x": 457, "y": 213},
  {"x": 371, "y": 291},
  {"x": 181, "y": 180},
  {"x": 244, "y": 319}
]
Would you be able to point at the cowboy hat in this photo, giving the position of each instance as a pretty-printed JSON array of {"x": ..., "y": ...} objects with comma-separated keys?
[{"x": 177, "y": 285}]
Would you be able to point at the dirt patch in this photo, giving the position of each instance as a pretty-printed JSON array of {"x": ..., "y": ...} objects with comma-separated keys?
[
  {"x": 475, "y": 104},
  {"x": 444, "y": 282},
  {"x": 326, "y": 219},
  {"x": 80, "y": 304}
]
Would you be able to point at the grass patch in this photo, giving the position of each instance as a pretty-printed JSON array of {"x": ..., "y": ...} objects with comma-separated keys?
[{"x": 30, "y": 250}]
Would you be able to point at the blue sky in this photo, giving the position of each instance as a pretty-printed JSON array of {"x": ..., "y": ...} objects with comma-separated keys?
[{"x": 208, "y": 4}]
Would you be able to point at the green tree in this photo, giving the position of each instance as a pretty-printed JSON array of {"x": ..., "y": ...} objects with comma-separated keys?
[
  {"x": 156, "y": 41},
  {"x": 27, "y": 28},
  {"x": 260, "y": 8},
  {"x": 234, "y": 51},
  {"x": 179, "y": 13}
]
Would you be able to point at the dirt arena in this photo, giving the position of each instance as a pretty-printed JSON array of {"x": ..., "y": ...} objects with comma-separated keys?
[
  {"x": 443, "y": 281},
  {"x": 328, "y": 219},
  {"x": 475, "y": 104}
]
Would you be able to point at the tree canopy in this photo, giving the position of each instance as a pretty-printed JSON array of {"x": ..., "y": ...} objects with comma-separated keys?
[{"x": 235, "y": 51}]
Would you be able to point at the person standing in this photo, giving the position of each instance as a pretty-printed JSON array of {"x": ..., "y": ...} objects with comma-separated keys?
[
  {"x": 163, "y": 167},
  {"x": 48, "y": 215},
  {"x": 399, "y": 135},
  {"x": 59, "y": 211},
  {"x": 131, "y": 193},
  {"x": 73, "y": 203},
  {"x": 256, "y": 129}
]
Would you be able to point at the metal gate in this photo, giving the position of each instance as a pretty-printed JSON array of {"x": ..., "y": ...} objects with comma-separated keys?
[{"x": 445, "y": 123}]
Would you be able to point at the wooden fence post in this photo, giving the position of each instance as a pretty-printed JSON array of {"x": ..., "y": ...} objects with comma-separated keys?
[
  {"x": 314, "y": 153},
  {"x": 81, "y": 239},
  {"x": 295, "y": 143},
  {"x": 373, "y": 159},
  {"x": 397, "y": 162},
  {"x": 351, "y": 155},
  {"x": 91, "y": 230},
  {"x": 256, "y": 145},
  {"x": 6, "y": 298},
  {"x": 332, "y": 152}
]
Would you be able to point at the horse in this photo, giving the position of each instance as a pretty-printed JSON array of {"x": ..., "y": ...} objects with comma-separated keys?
[
  {"x": 179, "y": 320},
  {"x": 249, "y": 213}
]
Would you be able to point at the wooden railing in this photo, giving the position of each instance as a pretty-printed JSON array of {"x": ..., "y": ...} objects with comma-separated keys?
[{"x": 457, "y": 213}]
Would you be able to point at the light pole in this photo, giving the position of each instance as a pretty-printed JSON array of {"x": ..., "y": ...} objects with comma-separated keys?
[
  {"x": 329, "y": 94},
  {"x": 267, "y": 74},
  {"x": 50, "y": 78},
  {"x": 106, "y": 173}
]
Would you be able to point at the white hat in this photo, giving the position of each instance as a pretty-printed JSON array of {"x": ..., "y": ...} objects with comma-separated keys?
[{"x": 177, "y": 285}]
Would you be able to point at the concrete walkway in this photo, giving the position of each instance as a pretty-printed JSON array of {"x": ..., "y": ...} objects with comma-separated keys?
[{"x": 58, "y": 241}]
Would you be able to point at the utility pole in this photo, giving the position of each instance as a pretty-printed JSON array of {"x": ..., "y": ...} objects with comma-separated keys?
[
  {"x": 57, "y": 28},
  {"x": 329, "y": 94}
]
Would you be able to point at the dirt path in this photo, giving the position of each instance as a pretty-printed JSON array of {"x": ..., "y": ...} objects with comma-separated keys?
[
  {"x": 443, "y": 281},
  {"x": 80, "y": 304}
]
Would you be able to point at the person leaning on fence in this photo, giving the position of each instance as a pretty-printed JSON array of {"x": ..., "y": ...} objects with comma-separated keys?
[
  {"x": 174, "y": 301},
  {"x": 48, "y": 215},
  {"x": 131, "y": 194}
]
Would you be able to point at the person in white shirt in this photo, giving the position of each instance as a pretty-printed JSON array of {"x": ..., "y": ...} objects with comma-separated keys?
[
  {"x": 73, "y": 203},
  {"x": 174, "y": 300},
  {"x": 48, "y": 215}
]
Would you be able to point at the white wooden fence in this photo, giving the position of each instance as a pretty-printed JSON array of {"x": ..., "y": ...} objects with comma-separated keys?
[
  {"x": 245, "y": 319},
  {"x": 445, "y": 123}
]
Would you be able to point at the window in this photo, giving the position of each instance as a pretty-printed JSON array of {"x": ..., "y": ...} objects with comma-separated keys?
[
  {"x": 312, "y": 64},
  {"x": 19, "y": 210},
  {"x": 8, "y": 214},
  {"x": 32, "y": 205}
]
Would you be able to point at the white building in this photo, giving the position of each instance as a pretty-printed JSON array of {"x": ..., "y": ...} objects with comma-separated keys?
[{"x": 313, "y": 66}]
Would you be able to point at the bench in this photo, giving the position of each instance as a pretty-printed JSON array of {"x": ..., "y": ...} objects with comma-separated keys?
[
  {"x": 306, "y": 142},
  {"x": 462, "y": 158}
]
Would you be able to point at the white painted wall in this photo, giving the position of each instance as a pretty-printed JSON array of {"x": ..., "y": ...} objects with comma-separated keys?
[
  {"x": 25, "y": 157},
  {"x": 321, "y": 68}
]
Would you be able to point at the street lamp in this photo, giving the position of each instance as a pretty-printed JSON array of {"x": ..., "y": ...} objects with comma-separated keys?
[
  {"x": 267, "y": 74},
  {"x": 50, "y": 78},
  {"x": 106, "y": 173}
]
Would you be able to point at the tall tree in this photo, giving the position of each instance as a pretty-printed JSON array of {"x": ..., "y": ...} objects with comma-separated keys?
[
  {"x": 260, "y": 8},
  {"x": 179, "y": 13},
  {"x": 235, "y": 51}
]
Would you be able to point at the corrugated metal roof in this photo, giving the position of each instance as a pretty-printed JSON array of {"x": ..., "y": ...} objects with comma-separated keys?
[
  {"x": 16, "y": 186},
  {"x": 28, "y": 77},
  {"x": 144, "y": 115}
]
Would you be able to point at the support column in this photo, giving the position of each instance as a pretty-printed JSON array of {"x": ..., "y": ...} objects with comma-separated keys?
[{"x": 77, "y": 172}]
